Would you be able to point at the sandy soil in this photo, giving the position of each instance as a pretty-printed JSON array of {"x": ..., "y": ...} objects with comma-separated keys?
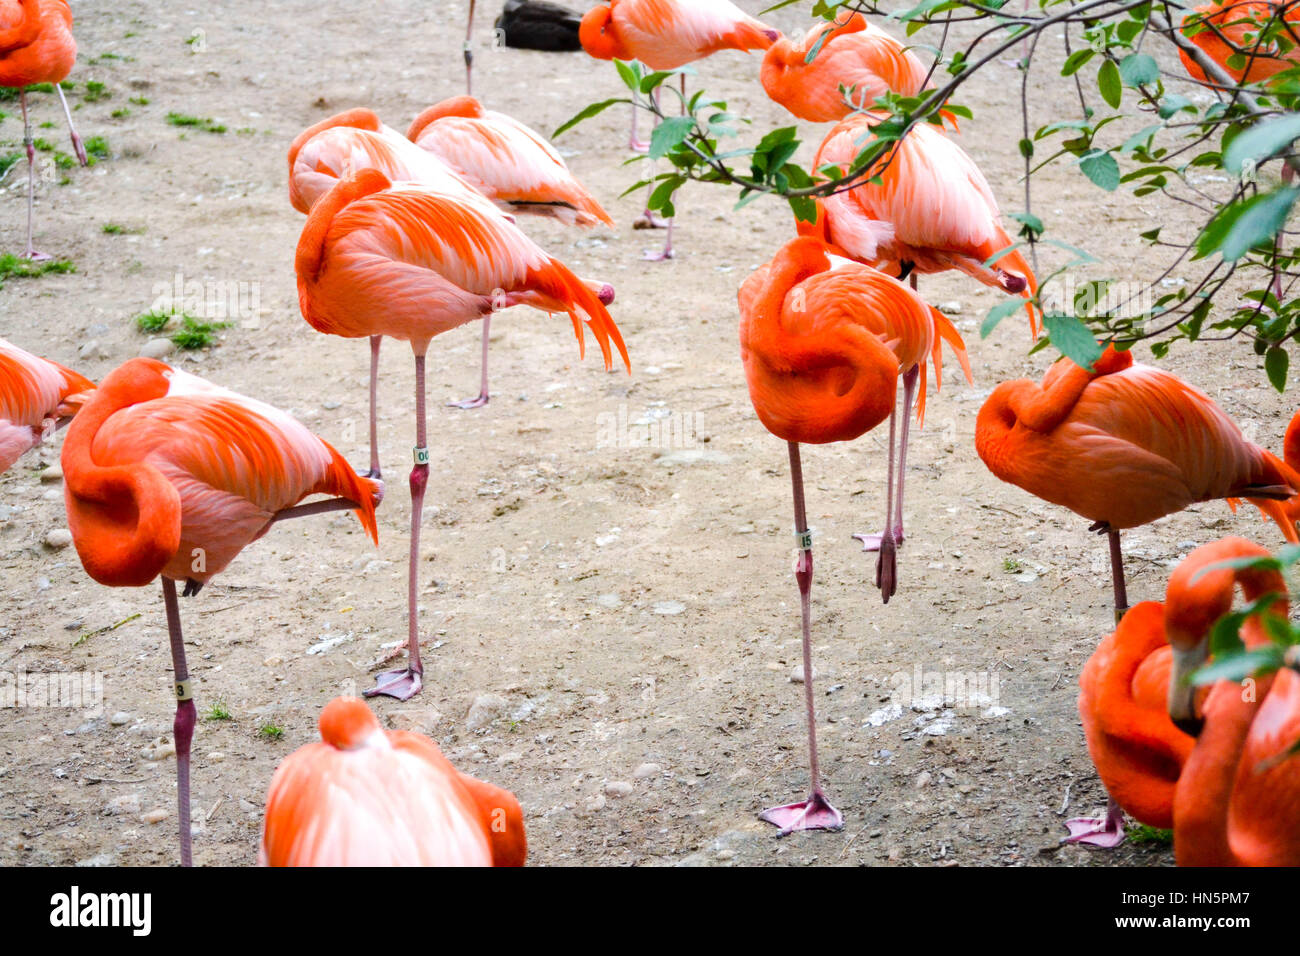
[{"x": 619, "y": 614}]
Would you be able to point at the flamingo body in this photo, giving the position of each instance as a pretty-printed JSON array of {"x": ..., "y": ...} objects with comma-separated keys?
[
  {"x": 666, "y": 34},
  {"x": 857, "y": 55},
  {"x": 35, "y": 394},
  {"x": 364, "y": 796},
  {"x": 1232, "y": 29},
  {"x": 36, "y": 44}
]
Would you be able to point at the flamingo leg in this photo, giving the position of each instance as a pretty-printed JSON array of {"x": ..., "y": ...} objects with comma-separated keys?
[
  {"x": 405, "y": 683},
  {"x": 314, "y": 508},
  {"x": 635, "y": 143},
  {"x": 888, "y": 542},
  {"x": 375, "y": 342},
  {"x": 1105, "y": 833},
  {"x": 815, "y": 813},
  {"x": 483, "y": 396},
  {"x": 78, "y": 146},
  {"x": 1116, "y": 567},
  {"x": 183, "y": 725},
  {"x": 656, "y": 223},
  {"x": 649, "y": 219},
  {"x": 469, "y": 51},
  {"x": 29, "y": 145}
]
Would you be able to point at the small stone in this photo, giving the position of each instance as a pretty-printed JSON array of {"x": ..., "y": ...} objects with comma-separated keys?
[
  {"x": 103, "y": 859},
  {"x": 216, "y": 757},
  {"x": 154, "y": 816},
  {"x": 610, "y": 601},
  {"x": 923, "y": 779},
  {"x": 1027, "y": 577},
  {"x": 618, "y": 789},
  {"x": 507, "y": 759},
  {"x": 595, "y": 804},
  {"x": 127, "y": 804},
  {"x": 52, "y": 473},
  {"x": 484, "y": 710},
  {"x": 952, "y": 307},
  {"x": 88, "y": 350},
  {"x": 668, "y": 607},
  {"x": 796, "y": 675},
  {"x": 58, "y": 538},
  {"x": 157, "y": 348},
  {"x": 647, "y": 770},
  {"x": 159, "y": 749},
  {"x": 119, "y": 719},
  {"x": 725, "y": 854}
]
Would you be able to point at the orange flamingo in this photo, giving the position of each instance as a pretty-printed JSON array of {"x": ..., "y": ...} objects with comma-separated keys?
[
  {"x": 932, "y": 210},
  {"x": 365, "y": 796},
  {"x": 666, "y": 35},
  {"x": 1235, "y": 804},
  {"x": 36, "y": 397},
  {"x": 410, "y": 263},
  {"x": 1228, "y": 30},
  {"x": 1123, "y": 445},
  {"x": 510, "y": 164},
  {"x": 36, "y": 46},
  {"x": 851, "y": 53},
  {"x": 1138, "y": 752},
  {"x": 168, "y": 475},
  {"x": 823, "y": 350}
]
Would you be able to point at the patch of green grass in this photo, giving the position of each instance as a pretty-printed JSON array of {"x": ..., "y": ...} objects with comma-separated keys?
[
  {"x": 1140, "y": 833},
  {"x": 1012, "y": 566},
  {"x": 271, "y": 731},
  {"x": 112, "y": 229},
  {"x": 152, "y": 321},
  {"x": 95, "y": 91},
  {"x": 207, "y": 124},
  {"x": 12, "y": 267},
  {"x": 196, "y": 333},
  {"x": 8, "y": 160},
  {"x": 43, "y": 145},
  {"x": 139, "y": 101},
  {"x": 47, "y": 125},
  {"x": 96, "y": 148},
  {"x": 120, "y": 114},
  {"x": 112, "y": 56},
  {"x": 218, "y": 711},
  {"x": 246, "y": 131},
  {"x": 63, "y": 161}
]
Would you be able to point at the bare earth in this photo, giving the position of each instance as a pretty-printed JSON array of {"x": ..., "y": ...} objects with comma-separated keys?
[{"x": 608, "y": 608}]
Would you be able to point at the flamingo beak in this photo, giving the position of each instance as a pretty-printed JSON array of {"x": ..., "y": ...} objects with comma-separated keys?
[{"x": 1182, "y": 692}]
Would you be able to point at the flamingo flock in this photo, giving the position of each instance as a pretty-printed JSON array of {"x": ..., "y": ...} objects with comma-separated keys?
[{"x": 168, "y": 477}]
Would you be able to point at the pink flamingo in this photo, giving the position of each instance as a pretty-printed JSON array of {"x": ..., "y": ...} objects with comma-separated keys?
[{"x": 36, "y": 397}]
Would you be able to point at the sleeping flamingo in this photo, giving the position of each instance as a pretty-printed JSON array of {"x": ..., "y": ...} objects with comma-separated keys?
[
  {"x": 1123, "y": 445},
  {"x": 410, "y": 263},
  {"x": 510, "y": 164},
  {"x": 36, "y": 46},
  {"x": 1235, "y": 804},
  {"x": 364, "y": 796},
  {"x": 665, "y": 35},
  {"x": 167, "y": 475},
  {"x": 1138, "y": 752},
  {"x": 1230, "y": 30},
  {"x": 36, "y": 397},
  {"x": 855, "y": 54},
  {"x": 822, "y": 350}
]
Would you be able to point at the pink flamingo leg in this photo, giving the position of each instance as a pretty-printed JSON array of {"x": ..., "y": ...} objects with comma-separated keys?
[
  {"x": 1105, "y": 833},
  {"x": 469, "y": 52},
  {"x": 482, "y": 398},
  {"x": 28, "y": 144},
  {"x": 77, "y": 146},
  {"x": 815, "y": 813},
  {"x": 648, "y": 219},
  {"x": 891, "y": 540},
  {"x": 635, "y": 143},
  {"x": 375, "y": 342},
  {"x": 405, "y": 683},
  {"x": 1118, "y": 583},
  {"x": 183, "y": 725}
]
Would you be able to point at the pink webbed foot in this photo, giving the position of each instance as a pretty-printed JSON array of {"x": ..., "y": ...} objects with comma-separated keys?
[
  {"x": 402, "y": 684},
  {"x": 638, "y": 145},
  {"x": 1105, "y": 833},
  {"x": 886, "y": 545},
  {"x": 815, "y": 813},
  {"x": 649, "y": 220},
  {"x": 32, "y": 255},
  {"x": 662, "y": 255},
  {"x": 373, "y": 474},
  {"x": 477, "y": 402}
]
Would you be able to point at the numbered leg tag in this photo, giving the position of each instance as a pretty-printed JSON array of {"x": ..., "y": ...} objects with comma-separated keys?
[
  {"x": 183, "y": 690},
  {"x": 805, "y": 540},
  {"x": 421, "y": 455}
]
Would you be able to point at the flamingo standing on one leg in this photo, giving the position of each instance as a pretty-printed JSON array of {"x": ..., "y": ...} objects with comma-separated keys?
[
  {"x": 1235, "y": 803},
  {"x": 510, "y": 164},
  {"x": 364, "y": 796},
  {"x": 851, "y": 53},
  {"x": 36, "y": 397},
  {"x": 168, "y": 475},
  {"x": 410, "y": 263},
  {"x": 1138, "y": 752},
  {"x": 36, "y": 46},
  {"x": 665, "y": 35},
  {"x": 1123, "y": 445},
  {"x": 822, "y": 350},
  {"x": 468, "y": 49}
]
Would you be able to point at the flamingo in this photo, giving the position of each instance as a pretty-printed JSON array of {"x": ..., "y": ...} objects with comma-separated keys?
[
  {"x": 36, "y": 46},
  {"x": 167, "y": 475},
  {"x": 1228, "y": 30},
  {"x": 851, "y": 53},
  {"x": 510, "y": 164},
  {"x": 931, "y": 210},
  {"x": 1123, "y": 445},
  {"x": 1138, "y": 752},
  {"x": 410, "y": 262},
  {"x": 666, "y": 35},
  {"x": 36, "y": 397},
  {"x": 1235, "y": 804},
  {"x": 364, "y": 796},
  {"x": 822, "y": 350}
]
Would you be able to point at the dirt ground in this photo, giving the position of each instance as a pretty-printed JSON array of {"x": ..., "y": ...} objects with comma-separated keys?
[{"x": 611, "y": 630}]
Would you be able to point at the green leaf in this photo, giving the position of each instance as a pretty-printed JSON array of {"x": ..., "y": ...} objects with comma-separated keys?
[
  {"x": 1242, "y": 225},
  {"x": 1072, "y": 339},
  {"x": 587, "y": 113},
  {"x": 1276, "y": 362},
  {"x": 629, "y": 72},
  {"x": 1077, "y": 59},
  {"x": 1237, "y": 667},
  {"x": 1101, "y": 168},
  {"x": 997, "y": 314},
  {"x": 1027, "y": 148},
  {"x": 1262, "y": 141},
  {"x": 1110, "y": 84},
  {"x": 805, "y": 208},
  {"x": 668, "y": 134},
  {"x": 1138, "y": 69}
]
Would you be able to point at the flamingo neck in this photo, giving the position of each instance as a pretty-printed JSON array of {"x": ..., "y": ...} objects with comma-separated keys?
[
  {"x": 598, "y": 37},
  {"x": 464, "y": 106}
]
